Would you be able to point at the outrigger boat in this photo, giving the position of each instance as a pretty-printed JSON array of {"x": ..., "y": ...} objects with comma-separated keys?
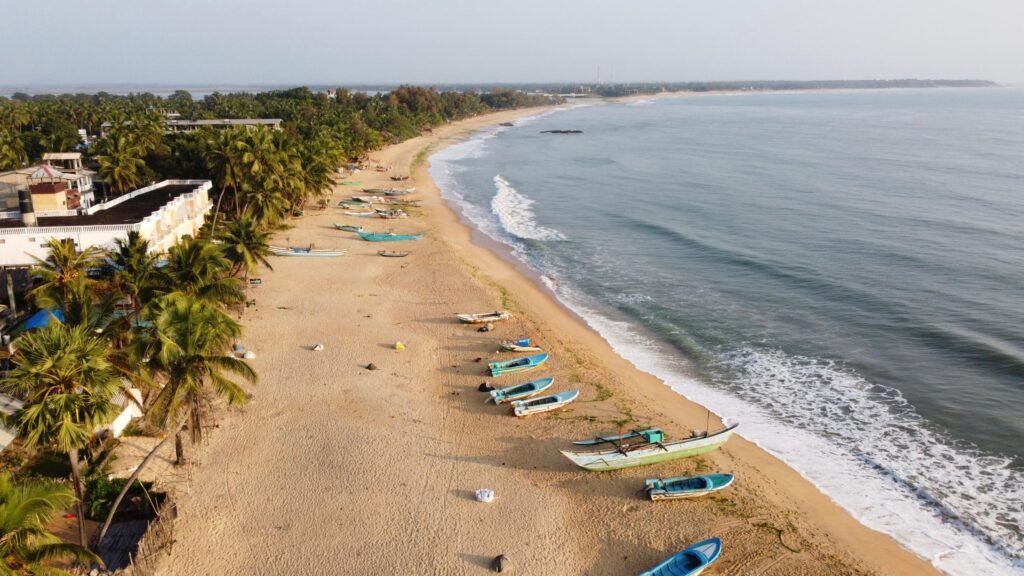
[
  {"x": 520, "y": 391},
  {"x": 686, "y": 487},
  {"x": 544, "y": 403},
  {"x": 307, "y": 252},
  {"x": 517, "y": 365},
  {"x": 649, "y": 450},
  {"x": 484, "y": 317},
  {"x": 522, "y": 345},
  {"x": 348, "y": 227},
  {"x": 649, "y": 436},
  {"x": 689, "y": 562},
  {"x": 387, "y": 236}
]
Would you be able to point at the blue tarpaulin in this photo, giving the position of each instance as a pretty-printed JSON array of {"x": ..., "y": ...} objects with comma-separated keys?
[{"x": 42, "y": 318}]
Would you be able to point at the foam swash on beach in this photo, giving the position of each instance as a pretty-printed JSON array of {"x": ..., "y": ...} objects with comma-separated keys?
[{"x": 855, "y": 306}]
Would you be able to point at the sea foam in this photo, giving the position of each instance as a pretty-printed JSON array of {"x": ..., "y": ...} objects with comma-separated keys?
[{"x": 515, "y": 212}]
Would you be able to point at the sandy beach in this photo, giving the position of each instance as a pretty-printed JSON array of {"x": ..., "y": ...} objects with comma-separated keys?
[{"x": 332, "y": 468}]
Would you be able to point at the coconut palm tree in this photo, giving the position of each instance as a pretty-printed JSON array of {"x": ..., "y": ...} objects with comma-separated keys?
[
  {"x": 224, "y": 152},
  {"x": 26, "y": 546},
  {"x": 245, "y": 245},
  {"x": 186, "y": 349},
  {"x": 67, "y": 382},
  {"x": 12, "y": 150},
  {"x": 121, "y": 163},
  {"x": 134, "y": 270},
  {"x": 199, "y": 268},
  {"x": 62, "y": 279}
]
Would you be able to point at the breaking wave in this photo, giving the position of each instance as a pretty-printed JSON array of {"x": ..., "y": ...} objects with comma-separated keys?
[{"x": 514, "y": 211}]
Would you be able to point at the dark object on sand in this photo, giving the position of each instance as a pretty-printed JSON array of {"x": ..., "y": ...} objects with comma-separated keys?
[
  {"x": 561, "y": 131},
  {"x": 478, "y": 359},
  {"x": 507, "y": 124},
  {"x": 371, "y": 366},
  {"x": 485, "y": 387},
  {"x": 501, "y": 564},
  {"x": 485, "y": 328}
]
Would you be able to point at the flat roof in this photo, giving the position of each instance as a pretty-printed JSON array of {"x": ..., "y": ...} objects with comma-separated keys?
[
  {"x": 62, "y": 156},
  {"x": 130, "y": 211}
]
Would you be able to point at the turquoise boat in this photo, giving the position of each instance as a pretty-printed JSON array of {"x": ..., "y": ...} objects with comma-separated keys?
[
  {"x": 689, "y": 562},
  {"x": 388, "y": 236},
  {"x": 650, "y": 450},
  {"x": 520, "y": 391},
  {"x": 543, "y": 404},
  {"x": 686, "y": 487},
  {"x": 517, "y": 365}
]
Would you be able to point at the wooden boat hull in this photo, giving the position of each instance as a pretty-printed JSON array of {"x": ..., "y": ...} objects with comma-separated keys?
[
  {"x": 691, "y": 487},
  {"x": 615, "y": 459},
  {"x": 523, "y": 408},
  {"x": 521, "y": 391},
  {"x": 483, "y": 318},
  {"x": 305, "y": 253},
  {"x": 360, "y": 214},
  {"x": 517, "y": 365},
  {"x": 689, "y": 562},
  {"x": 387, "y": 254},
  {"x": 348, "y": 227}
]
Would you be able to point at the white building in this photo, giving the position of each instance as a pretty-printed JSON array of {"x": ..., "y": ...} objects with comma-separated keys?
[{"x": 162, "y": 213}]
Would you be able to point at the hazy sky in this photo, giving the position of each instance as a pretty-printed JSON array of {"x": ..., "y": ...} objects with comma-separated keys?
[{"x": 437, "y": 41}]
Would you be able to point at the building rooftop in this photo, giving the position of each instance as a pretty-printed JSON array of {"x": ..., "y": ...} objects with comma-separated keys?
[
  {"x": 130, "y": 211},
  {"x": 62, "y": 156}
]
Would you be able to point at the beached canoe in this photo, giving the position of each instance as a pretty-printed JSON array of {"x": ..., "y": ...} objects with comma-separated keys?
[
  {"x": 548, "y": 403},
  {"x": 362, "y": 214},
  {"x": 522, "y": 345},
  {"x": 388, "y": 236},
  {"x": 686, "y": 487},
  {"x": 484, "y": 317},
  {"x": 644, "y": 453},
  {"x": 392, "y": 254},
  {"x": 305, "y": 252},
  {"x": 517, "y": 365},
  {"x": 348, "y": 227},
  {"x": 398, "y": 191},
  {"x": 689, "y": 562},
  {"x": 391, "y": 214},
  {"x": 520, "y": 391},
  {"x": 399, "y": 178}
]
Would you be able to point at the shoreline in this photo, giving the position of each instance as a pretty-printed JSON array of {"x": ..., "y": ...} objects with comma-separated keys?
[{"x": 333, "y": 468}]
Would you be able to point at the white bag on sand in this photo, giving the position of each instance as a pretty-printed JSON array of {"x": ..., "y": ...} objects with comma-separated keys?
[
  {"x": 249, "y": 355},
  {"x": 485, "y": 495}
]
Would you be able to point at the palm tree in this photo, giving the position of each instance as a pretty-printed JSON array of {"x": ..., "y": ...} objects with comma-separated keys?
[
  {"x": 66, "y": 379},
  {"x": 121, "y": 163},
  {"x": 135, "y": 272},
  {"x": 224, "y": 152},
  {"x": 245, "y": 245},
  {"x": 199, "y": 268},
  {"x": 12, "y": 150},
  {"x": 25, "y": 544},
  {"x": 63, "y": 278}
]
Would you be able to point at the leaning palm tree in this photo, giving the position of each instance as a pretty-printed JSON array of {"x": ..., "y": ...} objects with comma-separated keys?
[
  {"x": 186, "y": 347},
  {"x": 67, "y": 382},
  {"x": 26, "y": 546},
  {"x": 121, "y": 162},
  {"x": 199, "y": 268},
  {"x": 223, "y": 153}
]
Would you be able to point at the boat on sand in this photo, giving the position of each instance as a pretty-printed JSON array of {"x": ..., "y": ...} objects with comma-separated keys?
[
  {"x": 484, "y": 317},
  {"x": 517, "y": 365},
  {"x": 689, "y": 562},
  {"x": 649, "y": 449},
  {"x": 348, "y": 227},
  {"x": 686, "y": 487},
  {"x": 522, "y": 345},
  {"x": 392, "y": 254},
  {"x": 387, "y": 236},
  {"x": 543, "y": 404},
  {"x": 520, "y": 391},
  {"x": 305, "y": 252}
]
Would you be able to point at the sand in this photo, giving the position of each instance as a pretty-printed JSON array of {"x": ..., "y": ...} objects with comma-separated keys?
[{"x": 335, "y": 469}]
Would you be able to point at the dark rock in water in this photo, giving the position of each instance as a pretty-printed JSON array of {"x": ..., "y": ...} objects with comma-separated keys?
[
  {"x": 485, "y": 387},
  {"x": 371, "y": 366},
  {"x": 561, "y": 131},
  {"x": 501, "y": 564}
]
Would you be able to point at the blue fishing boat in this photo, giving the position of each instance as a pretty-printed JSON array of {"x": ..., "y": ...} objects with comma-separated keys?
[
  {"x": 544, "y": 403},
  {"x": 689, "y": 562},
  {"x": 686, "y": 487},
  {"x": 520, "y": 391},
  {"x": 517, "y": 365},
  {"x": 388, "y": 236}
]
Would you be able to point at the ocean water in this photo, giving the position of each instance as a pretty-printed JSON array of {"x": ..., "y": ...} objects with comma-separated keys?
[{"x": 843, "y": 273}]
